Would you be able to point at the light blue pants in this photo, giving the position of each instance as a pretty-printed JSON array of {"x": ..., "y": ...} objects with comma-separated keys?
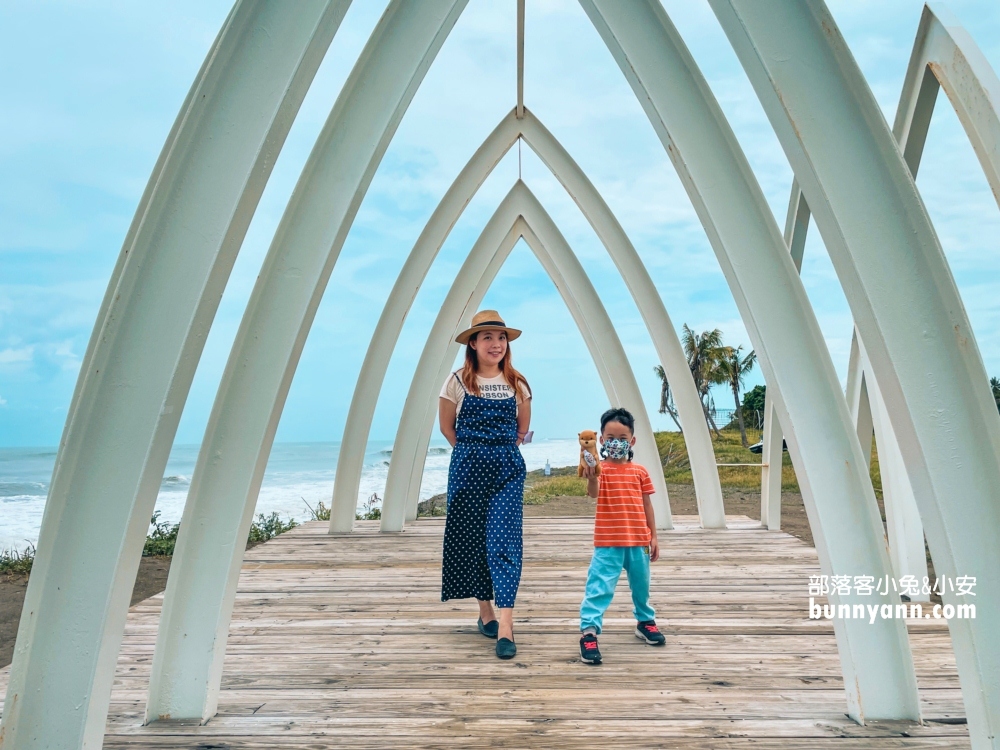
[{"x": 605, "y": 569}]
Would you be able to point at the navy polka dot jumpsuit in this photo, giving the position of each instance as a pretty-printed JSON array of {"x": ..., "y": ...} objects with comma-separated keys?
[{"x": 482, "y": 533}]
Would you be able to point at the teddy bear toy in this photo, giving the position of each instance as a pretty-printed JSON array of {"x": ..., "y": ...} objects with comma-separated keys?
[{"x": 588, "y": 452}]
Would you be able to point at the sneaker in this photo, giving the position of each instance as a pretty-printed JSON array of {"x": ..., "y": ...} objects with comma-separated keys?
[
  {"x": 590, "y": 653},
  {"x": 489, "y": 629},
  {"x": 648, "y": 632}
]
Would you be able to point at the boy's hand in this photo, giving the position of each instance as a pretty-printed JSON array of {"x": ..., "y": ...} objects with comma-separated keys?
[
  {"x": 654, "y": 549},
  {"x": 589, "y": 472}
]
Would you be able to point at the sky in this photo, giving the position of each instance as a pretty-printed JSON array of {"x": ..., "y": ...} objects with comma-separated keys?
[{"x": 90, "y": 90}]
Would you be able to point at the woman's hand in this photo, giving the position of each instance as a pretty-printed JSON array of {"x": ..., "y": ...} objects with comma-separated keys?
[
  {"x": 523, "y": 419},
  {"x": 447, "y": 414}
]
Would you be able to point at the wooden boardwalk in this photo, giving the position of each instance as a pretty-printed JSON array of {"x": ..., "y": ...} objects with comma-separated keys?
[{"x": 341, "y": 641}]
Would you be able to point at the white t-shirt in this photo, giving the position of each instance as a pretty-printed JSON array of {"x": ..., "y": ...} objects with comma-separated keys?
[{"x": 491, "y": 388}]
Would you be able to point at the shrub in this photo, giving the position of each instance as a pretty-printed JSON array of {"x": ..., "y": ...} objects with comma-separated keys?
[
  {"x": 371, "y": 510},
  {"x": 15, "y": 562},
  {"x": 268, "y": 527},
  {"x": 753, "y": 400},
  {"x": 319, "y": 513},
  {"x": 162, "y": 539}
]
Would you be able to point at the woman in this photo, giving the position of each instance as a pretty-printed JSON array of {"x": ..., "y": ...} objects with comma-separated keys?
[{"x": 484, "y": 409}]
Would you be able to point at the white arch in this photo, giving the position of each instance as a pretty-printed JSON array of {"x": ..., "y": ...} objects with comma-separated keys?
[
  {"x": 658, "y": 323},
  {"x": 878, "y": 669},
  {"x": 194, "y": 626},
  {"x": 161, "y": 301},
  {"x": 943, "y": 56},
  {"x": 904, "y": 302},
  {"x": 372, "y": 374},
  {"x": 555, "y": 255},
  {"x": 116, "y": 438},
  {"x": 711, "y": 510}
]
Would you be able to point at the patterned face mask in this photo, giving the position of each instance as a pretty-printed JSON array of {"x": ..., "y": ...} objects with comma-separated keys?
[{"x": 616, "y": 448}]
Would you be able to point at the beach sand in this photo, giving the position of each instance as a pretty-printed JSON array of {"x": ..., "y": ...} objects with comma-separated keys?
[{"x": 151, "y": 579}]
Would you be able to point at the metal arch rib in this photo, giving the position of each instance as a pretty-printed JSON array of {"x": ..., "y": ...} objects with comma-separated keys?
[
  {"x": 201, "y": 587},
  {"x": 661, "y": 330},
  {"x": 169, "y": 277},
  {"x": 945, "y": 55},
  {"x": 904, "y": 302},
  {"x": 467, "y": 290},
  {"x": 570, "y": 278},
  {"x": 580, "y": 297},
  {"x": 875, "y": 659},
  {"x": 372, "y": 374},
  {"x": 654, "y": 313}
]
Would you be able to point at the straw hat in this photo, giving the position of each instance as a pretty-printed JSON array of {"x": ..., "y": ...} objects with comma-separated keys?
[{"x": 486, "y": 320}]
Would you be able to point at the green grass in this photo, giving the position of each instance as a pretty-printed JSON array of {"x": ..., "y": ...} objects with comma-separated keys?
[
  {"x": 547, "y": 487},
  {"x": 729, "y": 450},
  {"x": 538, "y": 488}
]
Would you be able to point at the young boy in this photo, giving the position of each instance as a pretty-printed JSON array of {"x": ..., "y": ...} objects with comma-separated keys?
[{"x": 624, "y": 535}]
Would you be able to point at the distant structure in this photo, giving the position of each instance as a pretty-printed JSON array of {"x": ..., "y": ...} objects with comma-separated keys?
[{"x": 917, "y": 380}]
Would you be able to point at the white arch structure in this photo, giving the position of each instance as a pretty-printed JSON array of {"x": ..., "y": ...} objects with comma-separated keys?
[
  {"x": 191, "y": 221},
  {"x": 439, "y": 353},
  {"x": 903, "y": 298},
  {"x": 410, "y": 449}
]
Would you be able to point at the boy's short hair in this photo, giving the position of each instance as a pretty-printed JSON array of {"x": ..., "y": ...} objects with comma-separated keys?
[{"x": 619, "y": 415}]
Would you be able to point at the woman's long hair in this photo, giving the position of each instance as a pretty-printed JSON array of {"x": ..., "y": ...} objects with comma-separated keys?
[{"x": 470, "y": 368}]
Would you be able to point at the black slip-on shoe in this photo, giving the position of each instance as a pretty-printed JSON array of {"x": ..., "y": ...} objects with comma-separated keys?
[
  {"x": 490, "y": 629},
  {"x": 648, "y": 632},
  {"x": 506, "y": 648},
  {"x": 590, "y": 653}
]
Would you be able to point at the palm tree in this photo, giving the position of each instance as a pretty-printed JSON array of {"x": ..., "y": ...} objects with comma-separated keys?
[
  {"x": 734, "y": 368},
  {"x": 666, "y": 401},
  {"x": 704, "y": 351},
  {"x": 995, "y": 387}
]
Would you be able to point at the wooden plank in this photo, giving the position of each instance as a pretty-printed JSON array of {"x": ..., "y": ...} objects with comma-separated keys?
[{"x": 341, "y": 640}]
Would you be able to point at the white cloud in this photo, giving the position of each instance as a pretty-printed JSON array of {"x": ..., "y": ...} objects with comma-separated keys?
[{"x": 12, "y": 356}]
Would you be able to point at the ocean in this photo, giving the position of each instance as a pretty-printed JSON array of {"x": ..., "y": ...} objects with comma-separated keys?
[{"x": 297, "y": 474}]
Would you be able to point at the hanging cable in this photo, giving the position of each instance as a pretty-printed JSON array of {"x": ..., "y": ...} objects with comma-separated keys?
[{"x": 519, "y": 113}]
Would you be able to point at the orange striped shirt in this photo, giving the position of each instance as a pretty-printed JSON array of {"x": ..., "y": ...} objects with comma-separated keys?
[{"x": 621, "y": 518}]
